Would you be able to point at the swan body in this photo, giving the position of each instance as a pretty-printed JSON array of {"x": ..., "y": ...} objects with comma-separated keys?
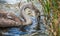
[{"x": 10, "y": 20}]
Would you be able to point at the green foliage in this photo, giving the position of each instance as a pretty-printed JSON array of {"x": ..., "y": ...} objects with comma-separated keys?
[
  {"x": 48, "y": 6},
  {"x": 54, "y": 3}
]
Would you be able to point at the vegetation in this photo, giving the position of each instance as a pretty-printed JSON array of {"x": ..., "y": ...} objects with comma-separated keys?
[{"x": 52, "y": 12}]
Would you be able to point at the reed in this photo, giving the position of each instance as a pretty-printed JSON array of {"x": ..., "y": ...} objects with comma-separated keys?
[{"x": 52, "y": 12}]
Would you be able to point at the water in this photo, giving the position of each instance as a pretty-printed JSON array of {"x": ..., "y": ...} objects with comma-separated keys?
[{"x": 14, "y": 32}]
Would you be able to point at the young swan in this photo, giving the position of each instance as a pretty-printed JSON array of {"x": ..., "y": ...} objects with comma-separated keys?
[
  {"x": 31, "y": 9},
  {"x": 9, "y": 19},
  {"x": 12, "y": 16}
]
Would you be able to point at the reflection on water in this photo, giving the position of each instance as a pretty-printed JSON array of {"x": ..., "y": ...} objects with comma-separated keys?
[{"x": 14, "y": 32}]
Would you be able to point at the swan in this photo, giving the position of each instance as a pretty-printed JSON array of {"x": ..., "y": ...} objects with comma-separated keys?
[{"x": 11, "y": 20}]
